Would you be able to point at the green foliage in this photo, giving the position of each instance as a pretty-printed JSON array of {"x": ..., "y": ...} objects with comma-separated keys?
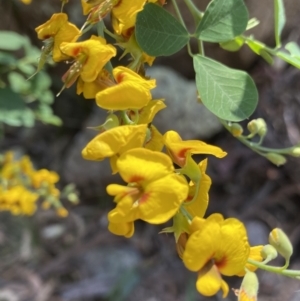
[
  {"x": 223, "y": 21},
  {"x": 229, "y": 94},
  {"x": 22, "y": 101},
  {"x": 158, "y": 33},
  {"x": 279, "y": 17}
]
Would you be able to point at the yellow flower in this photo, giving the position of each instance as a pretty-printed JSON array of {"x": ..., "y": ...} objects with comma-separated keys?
[
  {"x": 200, "y": 202},
  {"x": 154, "y": 193},
  {"x": 178, "y": 149},
  {"x": 112, "y": 143},
  {"x": 90, "y": 57},
  {"x": 43, "y": 177},
  {"x": 216, "y": 247},
  {"x": 130, "y": 92},
  {"x": 54, "y": 32},
  {"x": 18, "y": 200}
]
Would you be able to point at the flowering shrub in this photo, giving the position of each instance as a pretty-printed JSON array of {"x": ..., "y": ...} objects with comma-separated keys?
[{"x": 161, "y": 186}]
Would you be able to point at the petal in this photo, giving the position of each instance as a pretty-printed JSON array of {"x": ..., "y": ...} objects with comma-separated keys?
[
  {"x": 125, "y": 211},
  {"x": 143, "y": 165},
  {"x": 163, "y": 199},
  {"x": 233, "y": 253},
  {"x": 199, "y": 205},
  {"x": 131, "y": 91},
  {"x": 255, "y": 254},
  {"x": 177, "y": 148},
  {"x": 89, "y": 90},
  {"x": 148, "y": 113},
  {"x": 115, "y": 141},
  {"x": 209, "y": 280},
  {"x": 201, "y": 246},
  {"x": 122, "y": 229},
  {"x": 155, "y": 143},
  {"x": 98, "y": 53},
  {"x": 125, "y": 11}
]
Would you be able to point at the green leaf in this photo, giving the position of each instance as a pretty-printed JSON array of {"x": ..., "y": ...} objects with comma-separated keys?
[
  {"x": 158, "y": 33},
  {"x": 7, "y": 59},
  {"x": 45, "y": 114},
  {"x": 223, "y": 21},
  {"x": 13, "y": 110},
  {"x": 279, "y": 16},
  {"x": 10, "y": 40},
  {"x": 228, "y": 93},
  {"x": 18, "y": 82},
  {"x": 293, "y": 49}
]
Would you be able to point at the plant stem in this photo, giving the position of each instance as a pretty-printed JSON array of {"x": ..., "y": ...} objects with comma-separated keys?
[
  {"x": 196, "y": 13},
  {"x": 178, "y": 13}
]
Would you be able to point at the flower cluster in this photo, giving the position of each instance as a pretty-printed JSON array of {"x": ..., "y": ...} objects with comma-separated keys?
[
  {"x": 21, "y": 186},
  {"x": 159, "y": 185}
]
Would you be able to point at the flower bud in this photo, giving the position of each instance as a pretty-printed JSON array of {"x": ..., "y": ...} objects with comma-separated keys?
[
  {"x": 295, "y": 152},
  {"x": 249, "y": 287},
  {"x": 258, "y": 126},
  {"x": 236, "y": 130},
  {"x": 279, "y": 240},
  {"x": 268, "y": 252},
  {"x": 276, "y": 159},
  {"x": 233, "y": 45}
]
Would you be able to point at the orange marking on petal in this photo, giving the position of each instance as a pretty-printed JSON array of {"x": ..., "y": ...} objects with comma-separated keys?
[
  {"x": 76, "y": 51},
  {"x": 47, "y": 36},
  {"x": 144, "y": 198},
  {"x": 182, "y": 152},
  {"x": 135, "y": 179},
  {"x": 119, "y": 77},
  {"x": 221, "y": 263}
]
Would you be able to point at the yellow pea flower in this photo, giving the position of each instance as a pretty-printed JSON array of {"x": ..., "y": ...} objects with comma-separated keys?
[
  {"x": 43, "y": 177},
  {"x": 178, "y": 149},
  {"x": 216, "y": 247},
  {"x": 54, "y": 32},
  {"x": 18, "y": 200},
  {"x": 90, "y": 57},
  {"x": 154, "y": 193},
  {"x": 131, "y": 91},
  {"x": 112, "y": 143}
]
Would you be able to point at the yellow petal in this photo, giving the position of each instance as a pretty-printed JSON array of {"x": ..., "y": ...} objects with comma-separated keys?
[
  {"x": 199, "y": 205},
  {"x": 164, "y": 197},
  {"x": 209, "y": 280},
  {"x": 97, "y": 52},
  {"x": 231, "y": 256},
  {"x": 147, "y": 114},
  {"x": 125, "y": 12},
  {"x": 89, "y": 90},
  {"x": 115, "y": 141},
  {"x": 143, "y": 165},
  {"x": 130, "y": 92},
  {"x": 177, "y": 148},
  {"x": 122, "y": 229},
  {"x": 155, "y": 143},
  {"x": 201, "y": 246}
]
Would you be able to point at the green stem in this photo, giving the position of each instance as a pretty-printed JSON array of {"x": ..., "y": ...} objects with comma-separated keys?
[
  {"x": 186, "y": 213},
  {"x": 178, "y": 13},
  {"x": 196, "y": 13},
  {"x": 109, "y": 33},
  {"x": 255, "y": 146},
  {"x": 277, "y": 270}
]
